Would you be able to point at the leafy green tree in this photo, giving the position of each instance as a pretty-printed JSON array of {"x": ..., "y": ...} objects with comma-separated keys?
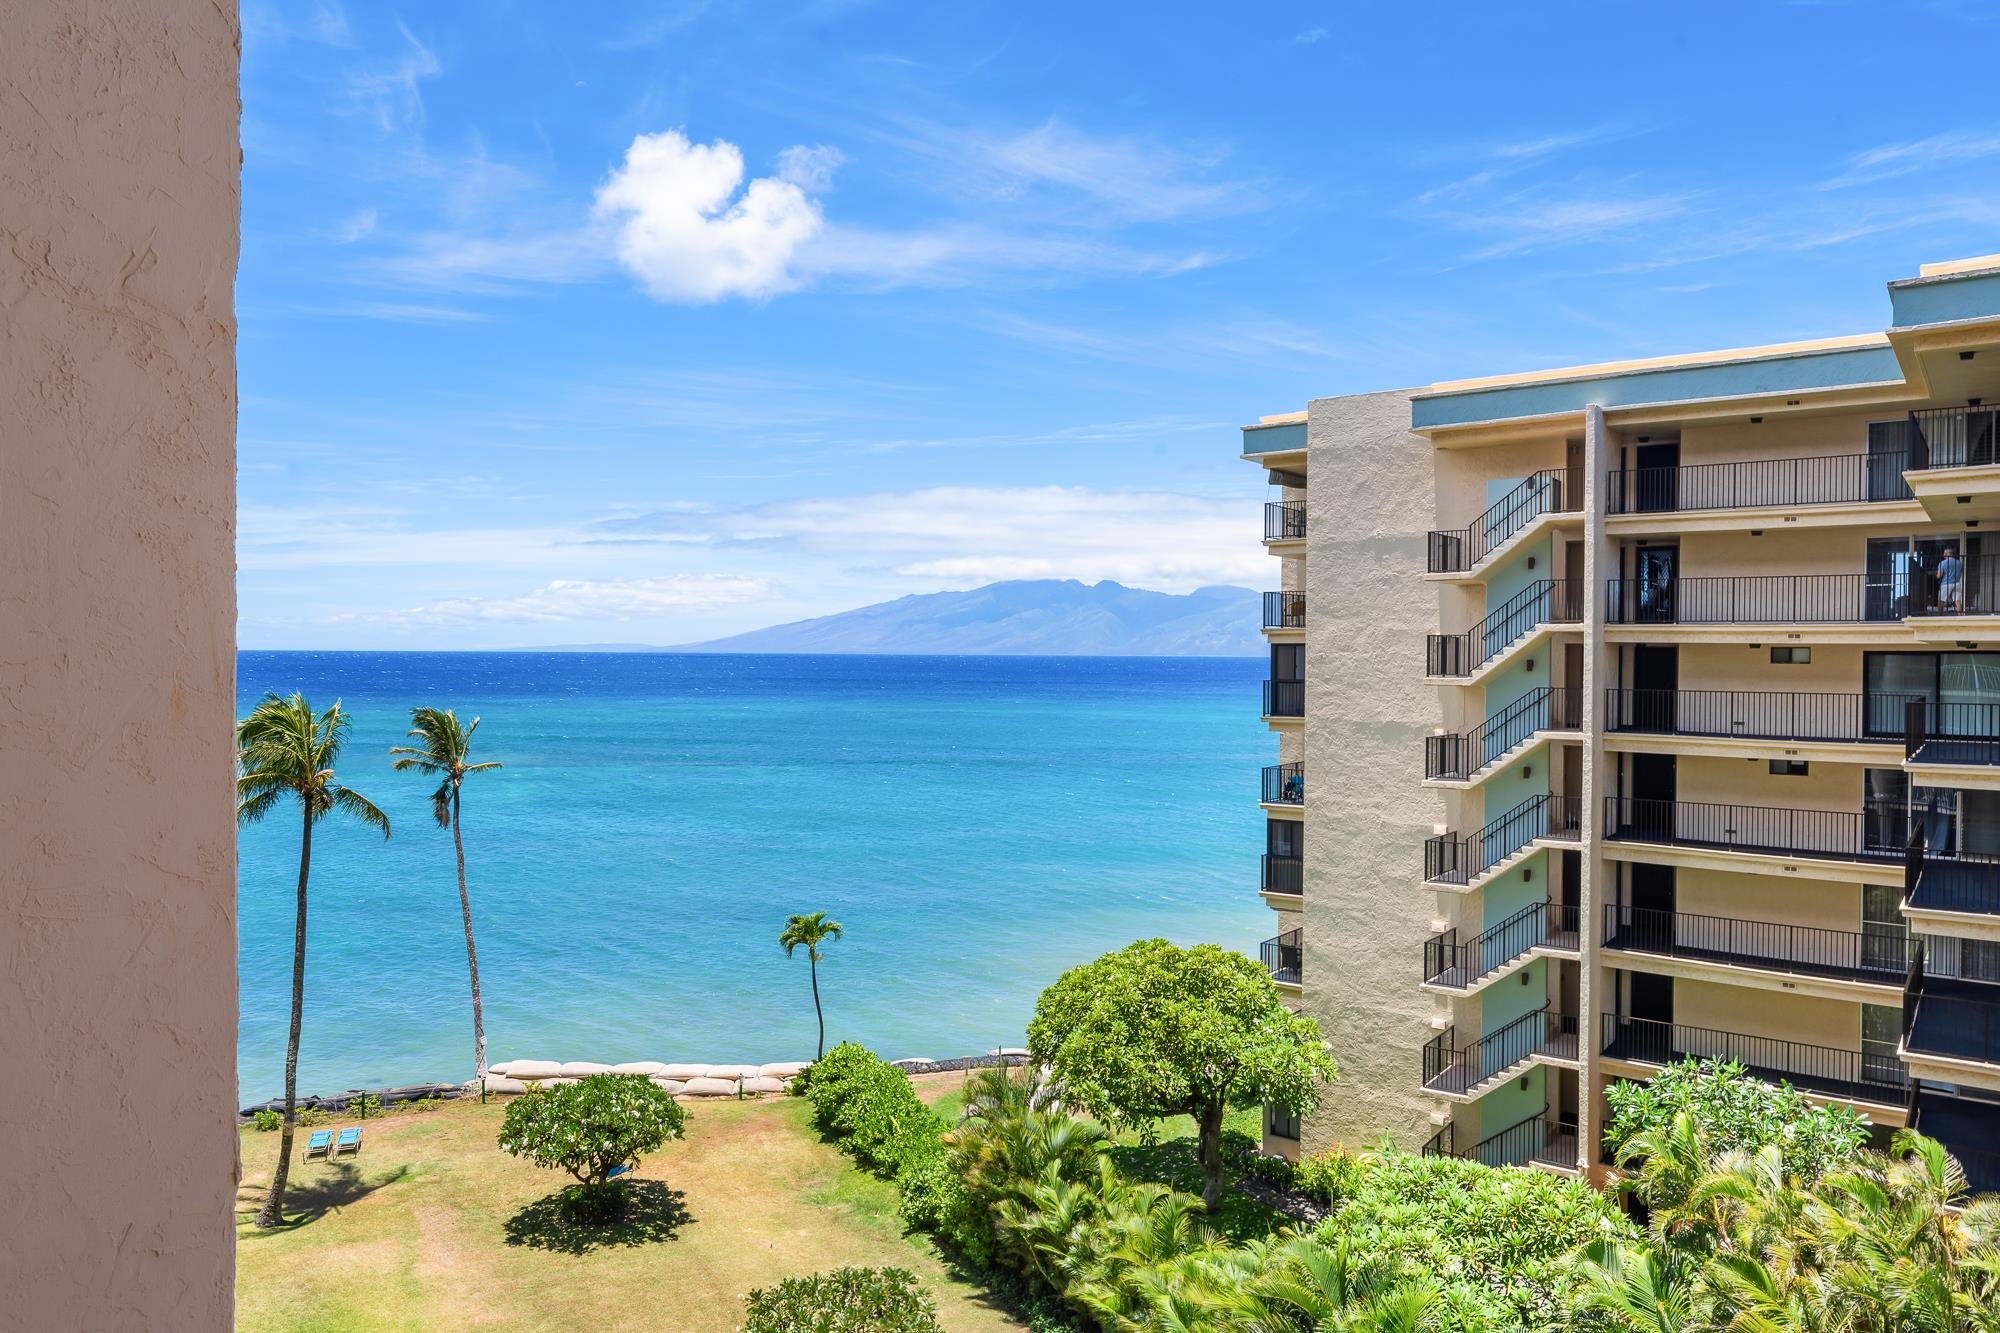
[
  {"x": 589, "y": 1129},
  {"x": 445, "y": 753},
  {"x": 847, "y": 1300},
  {"x": 285, "y": 749},
  {"x": 1157, "y": 1030},
  {"x": 811, "y": 931},
  {"x": 1731, "y": 1112}
]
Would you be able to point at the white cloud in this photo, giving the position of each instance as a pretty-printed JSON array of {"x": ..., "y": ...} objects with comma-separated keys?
[
  {"x": 590, "y": 600},
  {"x": 357, "y": 226},
  {"x": 393, "y": 95},
  {"x": 686, "y": 233},
  {"x": 1310, "y": 37},
  {"x": 1904, "y": 159}
]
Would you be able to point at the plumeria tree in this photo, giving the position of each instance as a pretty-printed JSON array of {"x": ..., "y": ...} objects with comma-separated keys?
[
  {"x": 589, "y": 1129},
  {"x": 1157, "y": 1030}
]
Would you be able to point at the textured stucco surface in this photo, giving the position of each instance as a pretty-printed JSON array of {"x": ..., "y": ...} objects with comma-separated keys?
[
  {"x": 118, "y": 242},
  {"x": 1368, "y": 708}
]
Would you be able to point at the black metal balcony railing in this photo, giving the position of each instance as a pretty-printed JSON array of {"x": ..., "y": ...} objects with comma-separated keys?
[
  {"x": 1882, "y": 956},
  {"x": 1460, "y": 755},
  {"x": 1952, "y": 437},
  {"x": 1284, "y": 874},
  {"x": 1452, "y": 859},
  {"x": 1879, "y": 831},
  {"x": 1285, "y": 784},
  {"x": 1459, "y": 964},
  {"x": 1950, "y": 733},
  {"x": 1758, "y": 483},
  {"x": 1766, "y": 715},
  {"x": 1284, "y": 610},
  {"x": 1536, "y": 1139},
  {"x": 1828, "y": 1070},
  {"x": 1450, "y": 1067},
  {"x": 1544, "y": 602},
  {"x": 1968, "y": 1127},
  {"x": 1954, "y": 1018},
  {"x": 1949, "y": 884},
  {"x": 1806, "y": 599},
  {"x": 1284, "y": 957},
  {"x": 1285, "y": 521},
  {"x": 1442, "y": 1143},
  {"x": 1555, "y": 490},
  {"x": 1284, "y": 698}
]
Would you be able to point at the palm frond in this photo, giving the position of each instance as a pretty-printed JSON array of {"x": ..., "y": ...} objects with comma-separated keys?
[{"x": 351, "y": 802}]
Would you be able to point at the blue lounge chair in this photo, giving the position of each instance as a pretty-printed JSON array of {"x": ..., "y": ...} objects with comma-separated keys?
[
  {"x": 618, "y": 1171},
  {"x": 319, "y": 1144},
  {"x": 349, "y": 1141}
]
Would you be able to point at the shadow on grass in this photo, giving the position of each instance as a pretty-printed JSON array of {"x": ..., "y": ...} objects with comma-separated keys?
[
  {"x": 1175, "y": 1162},
  {"x": 652, "y": 1213},
  {"x": 311, "y": 1196}
]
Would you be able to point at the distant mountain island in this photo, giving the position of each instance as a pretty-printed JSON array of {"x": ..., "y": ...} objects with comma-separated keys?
[{"x": 1043, "y": 617}]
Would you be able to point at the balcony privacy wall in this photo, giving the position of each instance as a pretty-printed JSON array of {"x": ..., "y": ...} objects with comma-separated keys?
[{"x": 117, "y": 616}]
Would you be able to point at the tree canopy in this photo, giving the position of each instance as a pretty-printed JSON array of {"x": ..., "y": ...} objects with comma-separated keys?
[
  {"x": 1157, "y": 1030},
  {"x": 590, "y": 1127}
]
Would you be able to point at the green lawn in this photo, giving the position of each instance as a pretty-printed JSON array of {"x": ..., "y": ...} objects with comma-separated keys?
[{"x": 434, "y": 1226}]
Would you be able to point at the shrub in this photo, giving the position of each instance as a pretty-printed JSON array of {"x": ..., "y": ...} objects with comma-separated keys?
[
  {"x": 587, "y": 1129},
  {"x": 310, "y": 1116},
  {"x": 364, "y": 1104},
  {"x": 1327, "y": 1177},
  {"x": 266, "y": 1121},
  {"x": 847, "y": 1300},
  {"x": 870, "y": 1109},
  {"x": 1733, "y": 1112}
]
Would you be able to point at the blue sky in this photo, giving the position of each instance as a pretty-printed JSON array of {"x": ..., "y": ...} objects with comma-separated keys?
[{"x": 589, "y": 323}]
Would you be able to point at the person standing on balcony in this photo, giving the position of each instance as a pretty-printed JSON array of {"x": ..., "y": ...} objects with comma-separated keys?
[{"x": 1951, "y": 585}]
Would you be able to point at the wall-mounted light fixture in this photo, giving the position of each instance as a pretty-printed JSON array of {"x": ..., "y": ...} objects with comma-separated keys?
[
  {"x": 1531, "y": 562},
  {"x": 1527, "y": 771},
  {"x": 1967, "y": 356},
  {"x": 1527, "y": 874},
  {"x": 1531, "y": 664},
  {"x": 1756, "y": 421}
]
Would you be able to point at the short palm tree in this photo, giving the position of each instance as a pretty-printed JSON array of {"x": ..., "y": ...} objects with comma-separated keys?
[
  {"x": 444, "y": 753},
  {"x": 286, "y": 749},
  {"x": 811, "y": 931}
]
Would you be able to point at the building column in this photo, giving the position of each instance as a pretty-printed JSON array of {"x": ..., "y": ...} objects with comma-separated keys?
[{"x": 1600, "y": 563}]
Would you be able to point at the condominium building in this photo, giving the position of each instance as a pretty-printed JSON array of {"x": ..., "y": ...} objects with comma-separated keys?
[{"x": 1644, "y": 710}]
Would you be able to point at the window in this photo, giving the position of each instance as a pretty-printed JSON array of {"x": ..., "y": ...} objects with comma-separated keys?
[
  {"x": 1789, "y": 768},
  {"x": 1881, "y": 1033},
  {"x": 1791, "y": 656},
  {"x": 1280, "y": 1123}
]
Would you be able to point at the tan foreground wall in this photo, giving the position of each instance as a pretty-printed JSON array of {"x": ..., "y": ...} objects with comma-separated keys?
[
  {"x": 1368, "y": 709},
  {"x": 118, "y": 242}
]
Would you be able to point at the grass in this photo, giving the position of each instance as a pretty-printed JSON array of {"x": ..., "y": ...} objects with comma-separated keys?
[
  {"x": 433, "y": 1225},
  {"x": 1172, "y": 1159}
]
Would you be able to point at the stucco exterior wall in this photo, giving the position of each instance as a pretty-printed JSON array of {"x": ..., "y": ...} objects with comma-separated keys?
[
  {"x": 118, "y": 242},
  {"x": 1368, "y": 709}
]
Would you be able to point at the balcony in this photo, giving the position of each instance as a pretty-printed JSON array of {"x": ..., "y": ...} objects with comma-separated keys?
[
  {"x": 1284, "y": 610},
  {"x": 1536, "y": 1139},
  {"x": 1965, "y": 887},
  {"x": 1826, "y": 1070},
  {"x": 1882, "y": 958},
  {"x": 1763, "y": 715},
  {"x": 1544, "y": 602},
  {"x": 1461, "y": 1071},
  {"x": 1764, "y": 483},
  {"x": 1458, "y": 861},
  {"x": 1805, "y": 599},
  {"x": 1284, "y": 957},
  {"x": 1285, "y": 521},
  {"x": 1455, "y": 964},
  {"x": 1556, "y": 490},
  {"x": 1880, "y": 832},
  {"x": 1284, "y": 875},
  {"x": 1954, "y": 461},
  {"x": 1945, "y": 735},
  {"x": 1459, "y": 757},
  {"x": 1284, "y": 784},
  {"x": 1951, "y": 1018},
  {"x": 1969, "y": 1129},
  {"x": 1284, "y": 698}
]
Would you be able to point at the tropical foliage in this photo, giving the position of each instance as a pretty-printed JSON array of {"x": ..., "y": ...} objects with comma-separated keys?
[
  {"x": 286, "y": 751},
  {"x": 1155, "y": 1030},
  {"x": 444, "y": 751},
  {"x": 847, "y": 1300},
  {"x": 811, "y": 931},
  {"x": 869, "y": 1109},
  {"x": 589, "y": 1129}
]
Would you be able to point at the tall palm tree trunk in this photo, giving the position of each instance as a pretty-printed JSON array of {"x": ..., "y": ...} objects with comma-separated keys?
[
  {"x": 273, "y": 1211},
  {"x": 471, "y": 954},
  {"x": 813, "y": 959}
]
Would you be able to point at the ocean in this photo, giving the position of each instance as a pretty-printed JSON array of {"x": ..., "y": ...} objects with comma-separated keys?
[{"x": 977, "y": 824}]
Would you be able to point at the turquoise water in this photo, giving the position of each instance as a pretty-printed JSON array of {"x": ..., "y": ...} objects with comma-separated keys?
[{"x": 977, "y": 824}]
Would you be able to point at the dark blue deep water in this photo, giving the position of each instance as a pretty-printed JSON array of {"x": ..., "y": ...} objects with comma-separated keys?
[{"x": 977, "y": 824}]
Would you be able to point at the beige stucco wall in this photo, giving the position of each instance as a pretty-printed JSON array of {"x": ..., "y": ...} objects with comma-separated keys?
[
  {"x": 1834, "y": 669},
  {"x": 118, "y": 206},
  {"x": 1801, "y": 902},
  {"x": 1368, "y": 709},
  {"x": 1763, "y": 1013}
]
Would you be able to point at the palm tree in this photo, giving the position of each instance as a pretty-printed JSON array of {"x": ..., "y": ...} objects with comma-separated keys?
[
  {"x": 811, "y": 931},
  {"x": 443, "y": 753},
  {"x": 286, "y": 749}
]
